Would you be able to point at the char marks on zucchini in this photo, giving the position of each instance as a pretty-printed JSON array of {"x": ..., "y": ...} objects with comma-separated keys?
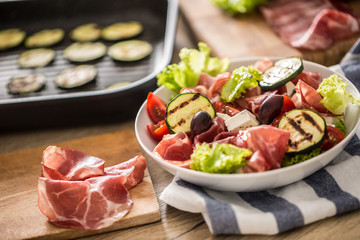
[
  {"x": 181, "y": 110},
  {"x": 307, "y": 130}
]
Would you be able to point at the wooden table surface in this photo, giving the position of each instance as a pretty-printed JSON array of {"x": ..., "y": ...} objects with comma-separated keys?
[{"x": 174, "y": 224}]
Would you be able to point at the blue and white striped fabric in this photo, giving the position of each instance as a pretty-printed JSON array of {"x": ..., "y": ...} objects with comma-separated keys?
[{"x": 328, "y": 192}]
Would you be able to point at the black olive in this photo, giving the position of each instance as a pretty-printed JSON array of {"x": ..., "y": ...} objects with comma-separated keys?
[
  {"x": 270, "y": 109},
  {"x": 200, "y": 123}
]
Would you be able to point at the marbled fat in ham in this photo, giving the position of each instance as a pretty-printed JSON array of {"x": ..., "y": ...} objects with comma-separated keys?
[
  {"x": 69, "y": 164},
  {"x": 311, "y": 24},
  {"x": 94, "y": 199}
]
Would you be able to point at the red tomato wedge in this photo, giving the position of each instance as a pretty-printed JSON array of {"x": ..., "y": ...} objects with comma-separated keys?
[
  {"x": 287, "y": 106},
  {"x": 333, "y": 137},
  {"x": 156, "y": 108},
  {"x": 157, "y": 131}
]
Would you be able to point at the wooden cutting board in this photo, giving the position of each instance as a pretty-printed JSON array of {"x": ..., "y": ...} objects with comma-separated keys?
[
  {"x": 20, "y": 217},
  {"x": 250, "y": 35}
]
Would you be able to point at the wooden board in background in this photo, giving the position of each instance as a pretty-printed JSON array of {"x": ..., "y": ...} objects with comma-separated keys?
[
  {"x": 250, "y": 35},
  {"x": 20, "y": 217}
]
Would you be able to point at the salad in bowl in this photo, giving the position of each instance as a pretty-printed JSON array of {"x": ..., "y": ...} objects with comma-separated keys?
[{"x": 249, "y": 124}]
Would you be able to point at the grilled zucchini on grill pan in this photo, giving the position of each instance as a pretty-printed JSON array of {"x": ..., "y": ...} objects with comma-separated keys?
[
  {"x": 181, "y": 110},
  {"x": 129, "y": 51},
  {"x": 36, "y": 58},
  {"x": 85, "y": 51},
  {"x": 86, "y": 33},
  {"x": 121, "y": 30},
  {"x": 76, "y": 76},
  {"x": 45, "y": 38},
  {"x": 282, "y": 72},
  {"x": 26, "y": 84},
  {"x": 11, "y": 37},
  {"x": 307, "y": 130}
]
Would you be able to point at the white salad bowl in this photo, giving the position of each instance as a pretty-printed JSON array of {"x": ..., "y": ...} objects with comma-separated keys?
[{"x": 243, "y": 181}]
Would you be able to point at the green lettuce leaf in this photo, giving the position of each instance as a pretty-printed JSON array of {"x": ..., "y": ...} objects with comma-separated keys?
[
  {"x": 186, "y": 72},
  {"x": 335, "y": 96},
  {"x": 290, "y": 159},
  {"x": 242, "y": 78},
  {"x": 341, "y": 125},
  {"x": 220, "y": 158},
  {"x": 234, "y": 7}
]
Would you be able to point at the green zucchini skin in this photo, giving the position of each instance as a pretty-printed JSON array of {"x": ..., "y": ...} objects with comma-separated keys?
[
  {"x": 181, "y": 110},
  {"x": 307, "y": 130},
  {"x": 130, "y": 50},
  {"x": 282, "y": 72}
]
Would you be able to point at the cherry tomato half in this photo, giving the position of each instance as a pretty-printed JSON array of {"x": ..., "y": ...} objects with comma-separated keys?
[
  {"x": 333, "y": 137},
  {"x": 226, "y": 108},
  {"x": 157, "y": 131},
  {"x": 156, "y": 108},
  {"x": 287, "y": 106}
]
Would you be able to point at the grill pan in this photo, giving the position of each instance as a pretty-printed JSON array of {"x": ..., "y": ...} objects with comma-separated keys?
[{"x": 54, "y": 106}]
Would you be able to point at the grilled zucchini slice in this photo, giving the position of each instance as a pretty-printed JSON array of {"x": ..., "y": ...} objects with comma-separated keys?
[
  {"x": 86, "y": 33},
  {"x": 121, "y": 30},
  {"x": 129, "y": 51},
  {"x": 76, "y": 76},
  {"x": 181, "y": 110},
  {"x": 36, "y": 58},
  {"x": 10, "y": 38},
  {"x": 307, "y": 130},
  {"x": 81, "y": 52},
  {"x": 282, "y": 72},
  {"x": 45, "y": 38},
  {"x": 26, "y": 84}
]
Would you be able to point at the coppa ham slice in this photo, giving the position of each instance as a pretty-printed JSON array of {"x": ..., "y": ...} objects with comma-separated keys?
[
  {"x": 308, "y": 98},
  {"x": 272, "y": 143},
  {"x": 94, "y": 199},
  {"x": 133, "y": 169},
  {"x": 91, "y": 204},
  {"x": 69, "y": 164},
  {"x": 175, "y": 149},
  {"x": 311, "y": 24}
]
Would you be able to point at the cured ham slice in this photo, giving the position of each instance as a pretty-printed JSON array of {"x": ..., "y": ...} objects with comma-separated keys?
[
  {"x": 272, "y": 143},
  {"x": 69, "y": 164},
  {"x": 311, "y": 24},
  {"x": 134, "y": 170},
  {"x": 257, "y": 163},
  {"x": 218, "y": 126},
  {"x": 76, "y": 191},
  {"x": 91, "y": 204},
  {"x": 312, "y": 79},
  {"x": 174, "y": 147},
  {"x": 308, "y": 98}
]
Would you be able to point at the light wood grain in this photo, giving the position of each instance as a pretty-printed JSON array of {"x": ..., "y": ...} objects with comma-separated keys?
[
  {"x": 20, "y": 215},
  {"x": 250, "y": 35}
]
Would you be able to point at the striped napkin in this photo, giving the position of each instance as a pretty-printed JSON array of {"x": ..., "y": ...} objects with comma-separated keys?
[{"x": 330, "y": 191}]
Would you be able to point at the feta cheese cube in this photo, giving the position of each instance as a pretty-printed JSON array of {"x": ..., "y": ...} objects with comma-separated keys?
[{"x": 241, "y": 121}]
